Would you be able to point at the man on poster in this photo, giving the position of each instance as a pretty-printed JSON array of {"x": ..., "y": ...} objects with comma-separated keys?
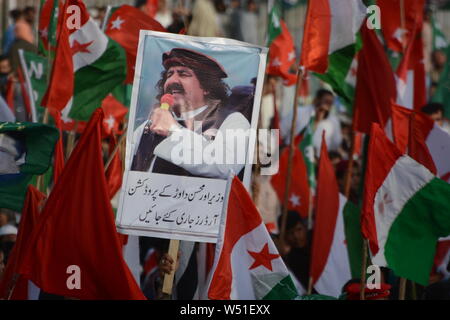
[{"x": 199, "y": 95}]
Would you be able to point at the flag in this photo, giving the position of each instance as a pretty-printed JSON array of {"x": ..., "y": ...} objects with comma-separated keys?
[
  {"x": 115, "y": 171},
  {"x": 330, "y": 266},
  {"x": 6, "y": 115},
  {"x": 48, "y": 24},
  {"x": 281, "y": 47},
  {"x": 375, "y": 86},
  {"x": 89, "y": 67},
  {"x": 399, "y": 18},
  {"x": 330, "y": 25},
  {"x": 76, "y": 230},
  {"x": 123, "y": 26},
  {"x": 342, "y": 71},
  {"x": 405, "y": 210},
  {"x": 299, "y": 189},
  {"x": 58, "y": 159},
  {"x": 439, "y": 38},
  {"x": 35, "y": 72},
  {"x": 30, "y": 215},
  {"x": 247, "y": 265},
  {"x": 26, "y": 149},
  {"x": 115, "y": 112},
  {"x": 307, "y": 148}
]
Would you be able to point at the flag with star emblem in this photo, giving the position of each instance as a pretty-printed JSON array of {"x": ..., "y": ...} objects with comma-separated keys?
[
  {"x": 330, "y": 264},
  {"x": 399, "y": 18},
  {"x": 299, "y": 190},
  {"x": 87, "y": 67},
  {"x": 405, "y": 210},
  {"x": 330, "y": 25},
  {"x": 26, "y": 149},
  {"x": 281, "y": 47},
  {"x": 48, "y": 24},
  {"x": 442, "y": 93},
  {"x": 123, "y": 26},
  {"x": 247, "y": 265}
]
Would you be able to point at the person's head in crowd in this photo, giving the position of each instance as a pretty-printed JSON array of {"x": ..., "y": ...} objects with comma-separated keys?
[
  {"x": 7, "y": 217},
  {"x": 341, "y": 172},
  {"x": 251, "y": 6},
  {"x": 352, "y": 291},
  {"x": 435, "y": 111},
  {"x": 8, "y": 236},
  {"x": 296, "y": 232},
  {"x": 15, "y": 15},
  {"x": 335, "y": 157},
  {"x": 5, "y": 70},
  {"x": 235, "y": 4},
  {"x": 438, "y": 59},
  {"x": 323, "y": 102},
  {"x": 29, "y": 14},
  {"x": 220, "y": 6}
]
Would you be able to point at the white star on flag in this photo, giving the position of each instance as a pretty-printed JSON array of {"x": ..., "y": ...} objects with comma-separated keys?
[
  {"x": 276, "y": 62},
  {"x": 110, "y": 122},
  {"x": 116, "y": 24},
  {"x": 291, "y": 55},
  {"x": 295, "y": 200},
  {"x": 44, "y": 33},
  {"x": 399, "y": 34}
]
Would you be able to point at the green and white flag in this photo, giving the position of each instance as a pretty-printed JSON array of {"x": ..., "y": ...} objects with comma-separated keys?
[
  {"x": 35, "y": 69},
  {"x": 439, "y": 39},
  {"x": 26, "y": 150},
  {"x": 307, "y": 148}
]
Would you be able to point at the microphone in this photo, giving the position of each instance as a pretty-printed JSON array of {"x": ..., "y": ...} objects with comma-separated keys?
[{"x": 167, "y": 101}]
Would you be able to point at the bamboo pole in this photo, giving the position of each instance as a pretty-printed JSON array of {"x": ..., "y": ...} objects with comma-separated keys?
[
  {"x": 116, "y": 148},
  {"x": 168, "y": 278},
  {"x": 291, "y": 155},
  {"x": 402, "y": 289},
  {"x": 363, "y": 270},
  {"x": 349, "y": 173}
]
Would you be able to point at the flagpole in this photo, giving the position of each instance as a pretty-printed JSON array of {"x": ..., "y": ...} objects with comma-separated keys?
[
  {"x": 348, "y": 175},
  {"x": 290, "y": 159},
  {"x": 363, "y": 270},
  {"x": 116, "y": 148},
  {"x": 174, "y": 245},
  {"x": 402, "y": 289}
]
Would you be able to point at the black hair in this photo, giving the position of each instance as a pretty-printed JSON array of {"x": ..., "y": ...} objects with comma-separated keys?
[
  {"x": 217, "y": 89},
  {"x": 293, "y": 218},
  {"x": 323, "y": 92},
  {"x": 432, "y": 108},
  {"x": 15, "y": 14},
  {"x": 4, "y": 57}
]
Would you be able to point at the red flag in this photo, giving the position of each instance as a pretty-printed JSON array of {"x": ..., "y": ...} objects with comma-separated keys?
[
  {"x": 61, "y": 86},
  {"x": 115, "y": 170},
  {"x": 398, "y": 20},
  {"x": 299, "y": 189},
  {"x": 25, "y": 96},
  {"x": 58, "y": 161},
  {"x": 30, "y": 214},
  {"x": 124, "y": 27},
  {"x": 375, "y": 87},
  {"x": 327, "y": 210},
  {"x": 151, "y": 8},
  {"x": 10, "y": 94},
  {"x": 409, "y": 129},
  {"x": 76, "y": 251},
  {"x": 114, "y": 114},
  {"x": 282, "y": 56}
]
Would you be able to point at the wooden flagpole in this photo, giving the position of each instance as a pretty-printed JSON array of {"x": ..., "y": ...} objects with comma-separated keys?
[
  {"x": 290, "y": 159},
  {"x": 363, "y": 270},
  {"x": 117, "y": 147},
  {"x": 174, "y": 245},
  {"x": 402, "y": 289},
  {"x": 348, "y": 174}
]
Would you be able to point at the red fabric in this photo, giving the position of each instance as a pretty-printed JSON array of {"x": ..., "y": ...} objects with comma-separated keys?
[
  {"x": 242, "y": 218},
  {"x": 10, "y": 94},
  {"x": 354, "y": 292},
  {"x": 376, "y": 87},
  {"x": 44, "y": 22},
  {"x": 58, "y": 160},
  {"x": 76, "y": 228},
  {"x": 303, "y": 89},
  {"x": 128, "y": 33},
  {"x": 115, "y": 170},
  {"x": 152, "y": 8},
  {"x": 391, "y": 21},
  {"x": 299, "y": 182},
  {"x": 327, "y": 210},
  {"x": 382, "y": 156},
  {"x": 410, "y": 131},
  {"x": 30, "y": 215},
  {"x": 282, "y": 56},
  {"x": 61, "y": 85},
  {"x": 25, "y": 96},
  {"x": 114, "y": 114},
  {"x": 316, "y": 37}
]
